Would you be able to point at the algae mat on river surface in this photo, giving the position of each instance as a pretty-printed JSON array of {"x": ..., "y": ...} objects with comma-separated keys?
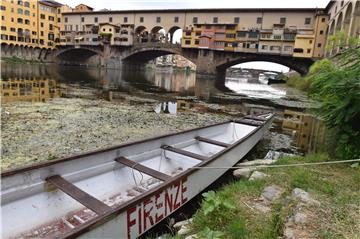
[
  {"x": 334, "y": 213},
  {"x": 34, "y": 132}
]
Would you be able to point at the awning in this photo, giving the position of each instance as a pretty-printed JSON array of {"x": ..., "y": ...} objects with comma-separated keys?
[{"x": 79, "y": 38}]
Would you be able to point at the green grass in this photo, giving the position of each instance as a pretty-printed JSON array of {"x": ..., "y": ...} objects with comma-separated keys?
[
  {"x": 337, "y": 187},
  {"x": 298, "y": 82},
  {"x": 15, "y": 59}
]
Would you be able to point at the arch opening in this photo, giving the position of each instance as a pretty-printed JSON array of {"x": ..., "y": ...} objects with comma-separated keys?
[
  {"x": 347, "y": 19},
  {"x": 76, "y": 55},
  {"x": 158, "y": 34},
  {"x": 175, "y": 34},
  {"x": 141, "y": 34},
  {"x": 355, "y": 29}
]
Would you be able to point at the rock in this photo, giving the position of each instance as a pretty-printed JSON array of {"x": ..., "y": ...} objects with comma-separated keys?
[
  {"x": 242, "y": 173},
  {"x": 303, "y": 196},
  {"x": 271, "y": 193},
  {"x": 289, "y": 233},
  {"x": 261, "y": 207},
  {"x": 194, "y": 236},
  {"x": 275, "y": 155},
  {"x": 180, "y": 224},
  {"x": 184, "y": 230},
  {"x": 256, "y": 162},
  {"x": 256, "y": 175},
  {"x": 300, "y": 218}
]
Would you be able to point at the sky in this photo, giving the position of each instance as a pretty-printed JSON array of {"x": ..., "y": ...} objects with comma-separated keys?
[{"x": 175, "y": 4}]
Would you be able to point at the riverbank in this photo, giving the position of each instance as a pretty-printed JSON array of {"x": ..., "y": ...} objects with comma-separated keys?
[
  {"x": 320, "y": 201},
  {"x": 35, "y": 132}
]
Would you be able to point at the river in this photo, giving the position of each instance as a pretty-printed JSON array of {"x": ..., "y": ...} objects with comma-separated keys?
[{"x": 49, "y": 109}]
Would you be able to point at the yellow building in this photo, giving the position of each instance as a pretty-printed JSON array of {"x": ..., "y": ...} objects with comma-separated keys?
[{"x": 32, "y": 23}]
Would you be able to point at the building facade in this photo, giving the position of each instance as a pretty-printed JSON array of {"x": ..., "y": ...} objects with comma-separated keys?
[
  {"x": 294, "y": 32},
  {"x": 28, "y": 23},
  {"x": 344, "y": 16}
]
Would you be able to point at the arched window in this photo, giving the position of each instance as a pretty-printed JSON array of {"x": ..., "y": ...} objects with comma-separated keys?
[{"x": 20, "y": 11}]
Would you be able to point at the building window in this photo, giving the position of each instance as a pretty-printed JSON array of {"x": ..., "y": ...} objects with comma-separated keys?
[
  {"x": 283, "y": 20},
  {"x": 110, "y": 19},
  {"x": 236, "y": 19},
  {"x": 277, "y": 37},
  {"x": 19, "y": 20},
  {"x": 259, "y": 20},
  {"x": 20, "y": 11},
  {"x": 95, "y": 19},
  {"x": 241, "y": 34},
  {"x": 125, "y": 19},
  {"x": 319, "y": 45},
  {"x": 110, "y": 30},
  {"x": 187, "y": 42},
  {"x": 26, "y": 4},
  {"x": 42, "y": 16},
  {"x": 253, "y": 34},
  {"x": 41, "y": 24},
  {"x": 323, "y": 19},
  {"x": 27, "y": 22},
  {"x": 3, "y": 8},
  {"x": 66, "y": 19},
  {"x": 3, "y": 28},
  {"x": 41, "y": 33},
  {"x": 321, "y": 32},
  {"x": 307, "y": 21},
  {"x": 264, "y": 47},
  {"x": 288, "y": 48},
  {"x": 197, "y": 42},
  {"x": 141, "y": 19},
  {"x": 13, "y": 29},
  {"x": 308, "y": 50},
  {"x": 27, "y": 13},
  {"x": 288, "y": 36},
  {"x": 19, "y": 2},
  {"x": 176, "y": 19},
  {"x": 82, "y": 19},
  {"x": 215, "y": 20},
  {"x": 310, "y": 41},
  {"x": 12, "y": 19},
  {"x": 51, "y": 18},
  {"x": 158, "y": 19},
  {"x": 3, "y": 18},
  {"x": 195, "y": 20}
]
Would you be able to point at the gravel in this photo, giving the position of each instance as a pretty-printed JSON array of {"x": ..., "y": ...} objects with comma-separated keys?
[{"x": 34, "y": 132}]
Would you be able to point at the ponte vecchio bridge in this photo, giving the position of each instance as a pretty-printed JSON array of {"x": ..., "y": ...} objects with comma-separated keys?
[{"x": 213, "y": 39}]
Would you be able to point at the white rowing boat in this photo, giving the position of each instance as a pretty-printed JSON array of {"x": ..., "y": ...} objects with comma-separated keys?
[{"x": 122, "y": 191}]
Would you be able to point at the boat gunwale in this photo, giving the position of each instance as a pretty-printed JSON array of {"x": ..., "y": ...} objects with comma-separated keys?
[
  {"x": 101, "y": 219},
  {"x": 18, "y": 170}
]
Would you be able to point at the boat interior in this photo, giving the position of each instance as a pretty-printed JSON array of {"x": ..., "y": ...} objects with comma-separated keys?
[{"x": 65, "y": 195}]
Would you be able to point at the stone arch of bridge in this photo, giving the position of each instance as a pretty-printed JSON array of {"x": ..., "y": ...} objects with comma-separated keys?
[
  {"x": 347, "y": 18},
  {"x": 355, "y": 28},
  {"x": 300, "y": 65},
  {"x": 145, "y": 54},
  {"x": 78, "y": 54}
]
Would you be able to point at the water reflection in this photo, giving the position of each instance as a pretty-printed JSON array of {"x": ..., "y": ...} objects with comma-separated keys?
[
  {"x": 166, "y": 108},
  {"x": 34, "y": 90},
  {"x": 307, "y": 130},
  {"x": 133, "y": 79}
]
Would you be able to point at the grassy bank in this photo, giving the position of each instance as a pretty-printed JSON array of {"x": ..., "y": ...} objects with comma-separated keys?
[
  {"x": 298, "y": 82},
  {"x": 15, "y": 59},
  {"x": 336, "y": 187}
]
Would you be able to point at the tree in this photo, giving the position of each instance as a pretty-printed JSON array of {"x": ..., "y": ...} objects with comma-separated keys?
[{"x": 335, "y": 83}]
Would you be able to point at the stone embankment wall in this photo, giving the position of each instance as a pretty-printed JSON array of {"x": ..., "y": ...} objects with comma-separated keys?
[{"x": 27, "y": 53}]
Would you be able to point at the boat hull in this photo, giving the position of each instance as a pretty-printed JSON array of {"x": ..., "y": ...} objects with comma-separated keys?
[{"x": 97, "y": 179}]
